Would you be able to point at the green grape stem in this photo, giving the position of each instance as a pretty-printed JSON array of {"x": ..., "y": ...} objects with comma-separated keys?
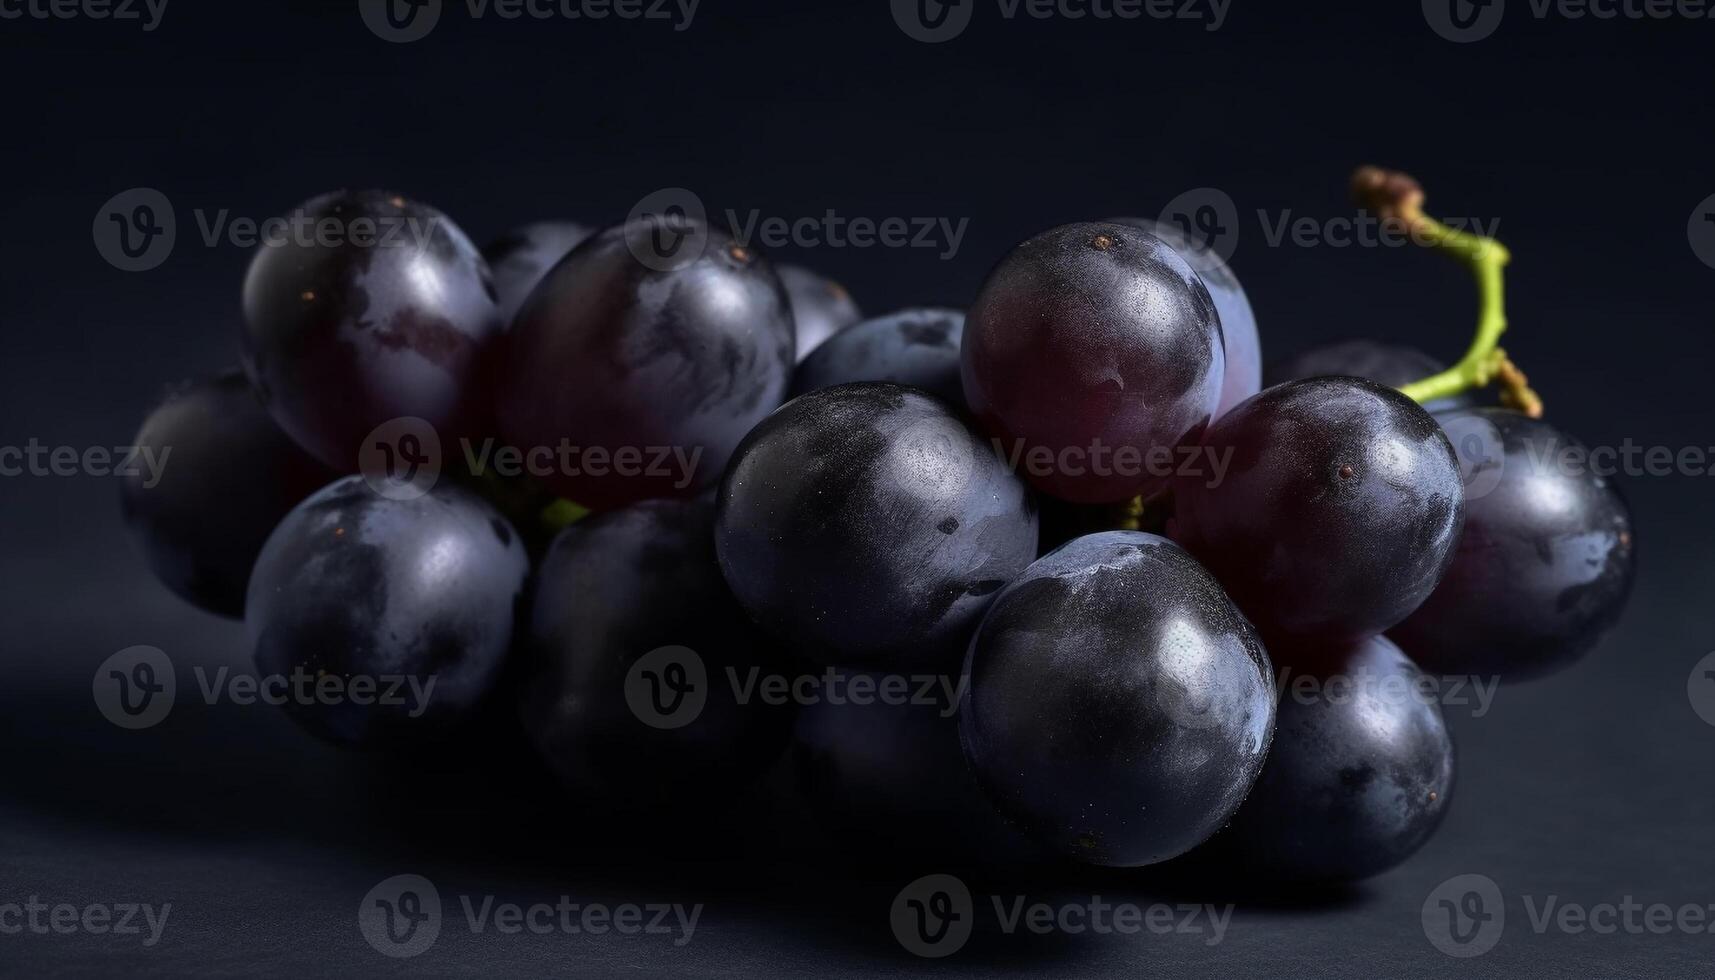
[
  {"x": 561, "y": 514},
  {"x": 1398, "y": 199}
]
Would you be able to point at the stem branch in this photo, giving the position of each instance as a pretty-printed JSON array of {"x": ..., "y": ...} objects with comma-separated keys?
[{"x": 1398, "y": 199}]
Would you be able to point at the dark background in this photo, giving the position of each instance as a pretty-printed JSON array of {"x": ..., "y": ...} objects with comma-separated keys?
[{"x": 1588, "y": 140}]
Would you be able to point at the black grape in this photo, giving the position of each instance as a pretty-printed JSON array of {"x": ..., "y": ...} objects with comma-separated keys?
[
  {"x": 1360, "y": 773},
  {"x": 916, "y": 347},
  {"x": 227, "y": 475},
  {"x": 521, "y": 259},
  {"x": 865, "y": 525},
  {"x": 821, "y": 307},
  {"x": 345, "y": 332},
  {"x": 1385, "y": 364},
  {"x": 887, "y": 776},
  {"x": 1546, "y": 562},
  {"x": 1090, "y": 339},
  {"x": 1339, "y": 510},
  {"x": 1119, "y": 705},
  {"x": 613, "y": 589},
  {"x": 353, "y": 584},
  {"x": 1240, "y": 339},
  {"x": 652, "y": 372}
]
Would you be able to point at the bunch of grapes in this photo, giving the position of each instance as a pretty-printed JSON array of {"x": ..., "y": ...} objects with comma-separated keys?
[{"x": 1074, "y": 506}]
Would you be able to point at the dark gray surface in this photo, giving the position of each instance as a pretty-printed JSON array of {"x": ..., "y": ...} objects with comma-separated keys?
[
  {"x": 1590, "y": 788},
  {"x": 1588, "y": 140}
]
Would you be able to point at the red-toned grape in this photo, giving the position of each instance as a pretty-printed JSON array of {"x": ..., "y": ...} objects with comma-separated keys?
[
  {"x": 1092, "y": 350},
  {"x": 377, "y": 308},
  {"x": 1337, "y": 514}
]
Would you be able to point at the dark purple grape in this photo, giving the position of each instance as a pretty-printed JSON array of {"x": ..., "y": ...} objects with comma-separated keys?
[
  {"x": 1546, "y": 562},
  {"x": 633, "y": 598},
  {"x": 391, "y": 314},
  {"x": 1338, "y": 511},
  {"x": 225, "y": 475},
  {"x": 356, "y": 585},
  {"x": 821, "y": 307},
  {"x": 916, "y": 347},
  {"x": 1240, "y": 339},
  {"x": 1385, "y": 364},
  {"x": 652, "y": 371},
  {"x": 865, "y": 525},
  {"x": 1119, "y": 704},
  {"x": 886, "y": 775},
  {"x": 522, "y": 258},
  {"x": 1359, "y": 775},
  {"x": 1087, "y": 340}
]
